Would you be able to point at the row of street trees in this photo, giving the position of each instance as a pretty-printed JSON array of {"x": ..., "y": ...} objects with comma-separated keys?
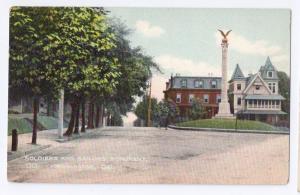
[
  {"x": 162, "y": 112},
  {"x": 165, "y": 111},
  {"x": 82, "y": 51}
]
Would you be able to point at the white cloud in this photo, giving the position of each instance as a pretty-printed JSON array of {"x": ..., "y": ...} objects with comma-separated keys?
[
  {"x": 172, "y": 64},
  {"x": 158, "y": 86},
  {"x": 243, "y": 45},
  {"x": 148, "y": 30},
  {"x": 185, "y": 67},
  {"x": 263, "y": 48}
]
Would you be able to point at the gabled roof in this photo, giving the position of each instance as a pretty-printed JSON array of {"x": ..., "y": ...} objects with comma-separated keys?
[
  {"x": 257, "y": 75},
  {"x": 237, "y": 73},
  {"x": 268, "y": 67}
]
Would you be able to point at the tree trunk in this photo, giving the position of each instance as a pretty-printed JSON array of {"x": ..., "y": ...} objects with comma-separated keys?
[
  {"x": 69, "y": 131},
  {"x": 108, "y": 119},
  {"x": 101, "y": 115},
  {"x": 112, "y": 122},
  {"x": 97, "y": 116},
  {"x": 48, "y": 108},
  {"x": 83, "y": 116},
  {"x": 91, "y": 116},
  {"x": 35, "y": 112},
  {"x": 76, "y": 130}
]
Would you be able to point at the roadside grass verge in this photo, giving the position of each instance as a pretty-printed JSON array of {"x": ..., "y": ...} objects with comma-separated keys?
[
  {"x": 21, "y": 124},
  {"x": 228, "y": 124},
  {"x": 24, "y": 125}
]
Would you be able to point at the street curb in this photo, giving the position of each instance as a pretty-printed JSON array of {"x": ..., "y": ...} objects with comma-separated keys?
[
  {"x": 14, "y": 155},
  {"x": 228, "y": 130},
  {"x": 76, "y": 136},
  {"x": 69, "y": 138}
]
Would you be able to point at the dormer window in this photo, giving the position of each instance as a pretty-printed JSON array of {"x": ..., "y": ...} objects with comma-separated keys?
[
  {"x": 198, "y": 84},
  {"x": 183, "y": 83},
  {"x": 270, "y": 74},
  {"x": 238, "y": 86},
  {"x": 214, "y": 84}
]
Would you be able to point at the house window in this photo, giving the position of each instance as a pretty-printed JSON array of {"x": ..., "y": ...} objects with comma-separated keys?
[
  {"x": 178, "y": 98},
  {"x": 238, "y": 86},
  {"x": 257, "y": 87},
  {"x": 270, "y": 74},
  {"x": 272, "y": 87},
  {"x": 184, "y": 83},
  {"x": 214, "y": 84},
  {"x": 206, "y": 98},
  {"x": 198, "y": 84},
  {"x": 218, "y": 99},
  {"x": 249, "y": 103},
  {"x": 239, "y": 101},
  {"x": 191, "y": 97}
]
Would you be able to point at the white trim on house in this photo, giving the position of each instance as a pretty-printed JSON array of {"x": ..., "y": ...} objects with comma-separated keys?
[{"x": 257, "y": 75}]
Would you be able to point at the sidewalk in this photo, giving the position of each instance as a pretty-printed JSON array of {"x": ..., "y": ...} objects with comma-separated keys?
[{"x": 45, "y": 139}]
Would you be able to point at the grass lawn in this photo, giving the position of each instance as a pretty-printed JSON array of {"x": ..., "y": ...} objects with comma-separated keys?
[
  {"x": 48, "y": 122},
  {"x": 24, "y": 126},
  {"x": 228, "y": 124}
]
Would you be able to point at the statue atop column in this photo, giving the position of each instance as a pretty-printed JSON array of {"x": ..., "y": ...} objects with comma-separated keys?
[
  {"x": 224, "y": 40},
  {"x": 224, "y": 107}
]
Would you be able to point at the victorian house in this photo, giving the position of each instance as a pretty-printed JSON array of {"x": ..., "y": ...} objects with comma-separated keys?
[
  {"x": 183, "y": 89},
  {"x": 256, "y": 96}
]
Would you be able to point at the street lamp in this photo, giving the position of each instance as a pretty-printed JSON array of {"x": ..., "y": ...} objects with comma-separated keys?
[{"x": 149, "y": 104}]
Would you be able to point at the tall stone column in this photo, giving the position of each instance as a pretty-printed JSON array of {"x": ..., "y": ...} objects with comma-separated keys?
[
  {"x": 224, "y": 107},
  {"x": 224, "y": 95},
  {"x": 60, "y": 130}
]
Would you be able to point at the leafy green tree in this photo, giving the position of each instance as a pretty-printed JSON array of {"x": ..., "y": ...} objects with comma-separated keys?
[
  {"x": 284, "y": 90},
  {"x": 135, "y": 67},
  {"x": 96, "y": 71},
  {"x": 166, "y": 112},
  {"x": 197, "y": 109},
  {"x": 141, "y": 109},
  {"x": 81, "y": 51},
  {"x": 29, "y": 65},
  {"x": 53, "y": 48}
]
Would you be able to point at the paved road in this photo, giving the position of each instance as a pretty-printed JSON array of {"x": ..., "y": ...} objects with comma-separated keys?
[{"x": 151, "y": 155}]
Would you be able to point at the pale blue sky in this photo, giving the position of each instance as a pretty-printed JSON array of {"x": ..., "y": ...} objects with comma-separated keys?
[{"x": 186, "y": 41}]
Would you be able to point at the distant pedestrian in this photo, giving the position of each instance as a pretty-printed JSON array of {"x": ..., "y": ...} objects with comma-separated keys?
[{"x": 166, "y": 122}]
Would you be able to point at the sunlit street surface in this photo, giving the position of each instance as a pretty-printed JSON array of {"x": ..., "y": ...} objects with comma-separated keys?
[{"x": 153, "y": 155}]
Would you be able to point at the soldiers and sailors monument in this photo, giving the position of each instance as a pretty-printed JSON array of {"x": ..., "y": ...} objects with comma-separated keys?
[{"x": 224, "y": 107}]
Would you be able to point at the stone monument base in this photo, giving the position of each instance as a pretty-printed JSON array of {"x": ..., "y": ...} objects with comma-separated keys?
[{"x": 224, "y": 111}]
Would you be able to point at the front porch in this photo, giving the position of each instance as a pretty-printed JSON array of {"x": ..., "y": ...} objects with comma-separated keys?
[{"x": 269, "y": 116}]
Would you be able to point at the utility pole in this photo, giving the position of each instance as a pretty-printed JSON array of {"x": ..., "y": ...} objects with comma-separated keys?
[
  {"x": 149, "y": 106},
  {"x": 61, "y": 115}
]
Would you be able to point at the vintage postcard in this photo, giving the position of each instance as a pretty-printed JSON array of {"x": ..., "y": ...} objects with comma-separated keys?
[{"x": 149, "y": 95}]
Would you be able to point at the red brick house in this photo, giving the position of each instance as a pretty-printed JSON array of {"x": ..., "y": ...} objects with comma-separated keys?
[{"x": 182, "y": 89}]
